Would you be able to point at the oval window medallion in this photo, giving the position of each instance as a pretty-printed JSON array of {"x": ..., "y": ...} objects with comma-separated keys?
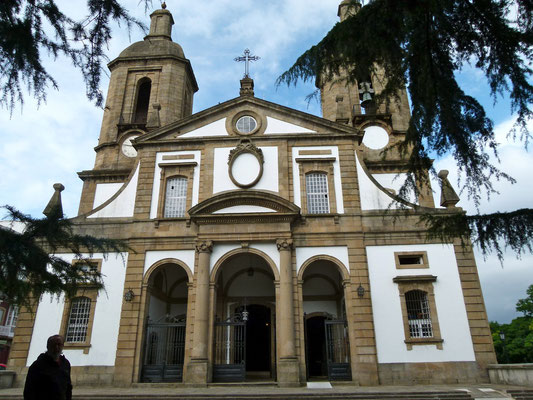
[
  {"x": 245, "y": 164},
  {"x": 375, "y": 137}
]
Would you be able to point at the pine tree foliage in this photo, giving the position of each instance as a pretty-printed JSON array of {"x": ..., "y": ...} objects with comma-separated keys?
[
  {"x": 421, "y": 46},
  {"x": 29, "y": 266},
  {"x": 486, "y": 231},
  {"x": 31, "y": 28}
]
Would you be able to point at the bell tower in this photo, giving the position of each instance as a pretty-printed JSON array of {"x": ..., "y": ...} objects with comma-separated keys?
[
  {"x": 152, "y": 84},
  {"x": 353, "y": 102}
]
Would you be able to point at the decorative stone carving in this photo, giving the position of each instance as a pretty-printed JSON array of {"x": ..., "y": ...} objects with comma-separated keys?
[
  {"x": 205, "y": 246},
  {"x": 245, "y": 147},
  {"x": 285, "y": 244}
]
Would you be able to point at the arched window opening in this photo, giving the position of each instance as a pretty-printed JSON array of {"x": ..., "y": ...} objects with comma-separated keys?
[
  {"x": 418, "y": 314},
  {"x": 175, "y": 197},
  {"x": 317, "y": 193},
  {"x": 143, "y": 100},
  {"x": 78, "y": 321}
]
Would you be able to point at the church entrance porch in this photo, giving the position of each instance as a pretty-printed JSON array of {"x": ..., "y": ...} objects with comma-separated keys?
[
  {"x": 164, "y": 339},
  {"x": 327, "y": 349},
  {"x": 243, "y": 329}
]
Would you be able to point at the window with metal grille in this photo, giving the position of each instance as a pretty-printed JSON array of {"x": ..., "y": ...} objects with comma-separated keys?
[
  {"x": 78, "y": 320},
  {"x": 175, "y": 197},
  {"x": 418, "y": 314},
  {"x": 316, "y": 186}
]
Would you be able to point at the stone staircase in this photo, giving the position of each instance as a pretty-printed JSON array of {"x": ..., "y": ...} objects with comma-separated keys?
[
  {"x": 433, "y": 395},
  {"x": 521, "y": 394}
]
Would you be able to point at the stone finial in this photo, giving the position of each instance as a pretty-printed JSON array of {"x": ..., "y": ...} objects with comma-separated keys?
[
  {"x": 54, "y": 205},
  {"x": 347, "y": 8},
  {"x": 448, "y": 197},
  {"x": 161, "y": 22},
  {"x": 247, "y": 87}
]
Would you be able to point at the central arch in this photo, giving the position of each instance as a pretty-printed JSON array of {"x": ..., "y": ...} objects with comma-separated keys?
[{"x": 243, "y": 322}]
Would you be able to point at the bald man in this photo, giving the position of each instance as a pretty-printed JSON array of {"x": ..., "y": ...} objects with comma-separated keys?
[{"x": 49, "y": 376}]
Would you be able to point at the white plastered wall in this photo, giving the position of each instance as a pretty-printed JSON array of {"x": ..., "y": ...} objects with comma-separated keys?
[
  {"x": 123, "y": 205},
  {"x": 104, "y": 337},
  {"x": 269, "y": 180},
  {"x": 219, "y": 250},
  {"x": 244, "y": 209},
  {"x": 372, "y": 197},
  {"x": 386, "y": 307},
  {"x": 217, "y": 128},
  {"x": 104, "y": 191},
  {"x": 336, "y": 173},
  {"x": 276, "y": 126},
  {"x": 196, "y": 156},
  {"x": 185, "y": 256}
]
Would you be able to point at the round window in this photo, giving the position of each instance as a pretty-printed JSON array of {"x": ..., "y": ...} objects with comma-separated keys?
[{"x": 246, "y": 124}]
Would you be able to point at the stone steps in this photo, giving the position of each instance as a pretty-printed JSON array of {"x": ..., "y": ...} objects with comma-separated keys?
[
  {"x": 522, "y": 394},
  {"x": 444, "y": 395}
]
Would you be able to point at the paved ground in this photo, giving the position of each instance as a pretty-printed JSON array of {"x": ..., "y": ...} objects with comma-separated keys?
[{"x": 480, "y": 391}]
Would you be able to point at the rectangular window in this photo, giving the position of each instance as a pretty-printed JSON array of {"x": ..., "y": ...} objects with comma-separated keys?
[
  {"x": 12, "y": 316},
  {"x": 419, "y": 311},
  {"x": 317, "y": 193},
  {"x": 411, "y": 260},
  {"x": 175, "y": 197},
  {"x": 78, "y": 321},
  {"x": 418, "y": 314}
]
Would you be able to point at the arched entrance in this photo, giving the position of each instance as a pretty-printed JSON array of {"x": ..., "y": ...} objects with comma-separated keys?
[
  {"x": 244, "y": 331},
  {"x": 164, "y": 338},
  {"x": 327, "y": 348}
]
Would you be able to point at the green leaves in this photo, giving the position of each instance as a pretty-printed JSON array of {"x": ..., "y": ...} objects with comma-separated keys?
[
  {"x": 29, "y": 28},
  {"x": 31, "y": 266},
  {"x": 422, "y": 45},
  {"x": 517, "y": 347}
]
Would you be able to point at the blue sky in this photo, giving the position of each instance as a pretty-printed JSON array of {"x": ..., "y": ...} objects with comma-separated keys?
[{"x": 48, "y": 144}]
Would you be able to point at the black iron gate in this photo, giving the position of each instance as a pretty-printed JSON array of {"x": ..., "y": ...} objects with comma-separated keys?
[
  {"x": 164, "y": 350},
  {"x": 230, "y": 350},
  {"x": 338, "y": 350}
]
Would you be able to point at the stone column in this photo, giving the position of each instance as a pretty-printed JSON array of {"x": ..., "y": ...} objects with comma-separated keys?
[
  {"x": 197, "y": 369},
  {"x": 288, "y": 370}
]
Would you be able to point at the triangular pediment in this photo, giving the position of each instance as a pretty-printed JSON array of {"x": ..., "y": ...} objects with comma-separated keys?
[
  {"x": 244, "y": 206},
  {"x": 273, "y": 119}
]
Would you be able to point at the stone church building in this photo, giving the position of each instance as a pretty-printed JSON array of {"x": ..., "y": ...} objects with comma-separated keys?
[{"x": 265, "y": 243}]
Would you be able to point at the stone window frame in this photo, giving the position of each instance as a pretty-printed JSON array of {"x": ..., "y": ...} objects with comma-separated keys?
[
  {"x": 322, "y": 165},
  {"x": 91, "y": 293},
  {"x": 423, "y": 255},
  {"x": 423, "y": 283},
  {"x": 172, "y": 170}
]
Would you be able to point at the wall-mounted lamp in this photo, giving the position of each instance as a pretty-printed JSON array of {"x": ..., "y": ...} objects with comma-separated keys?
[
  {"x": 360, "y": 291},
  {"x": 129, "y": 295}
]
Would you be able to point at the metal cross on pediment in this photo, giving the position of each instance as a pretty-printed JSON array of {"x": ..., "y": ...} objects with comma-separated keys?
[{"x": 247, "y": 58}]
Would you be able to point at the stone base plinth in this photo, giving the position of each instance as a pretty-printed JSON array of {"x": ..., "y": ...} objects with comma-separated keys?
[
  {"x": 288, "y": 372},
  {"x": 196, "y": 373}
]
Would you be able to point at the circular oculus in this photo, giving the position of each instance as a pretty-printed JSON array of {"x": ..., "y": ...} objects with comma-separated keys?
[
  {"x": 246, "y": 170},
  {"x": 375, "y": 137},
  {"x": 246, "y": 124}
]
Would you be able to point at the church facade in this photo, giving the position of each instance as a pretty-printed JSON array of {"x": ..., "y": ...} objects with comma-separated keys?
[{"x": 265, "y": 244}]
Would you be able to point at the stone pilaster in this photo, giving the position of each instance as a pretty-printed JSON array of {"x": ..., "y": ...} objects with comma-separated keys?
[
  {"x": 288, "y": 368},
  {"x": 197, "y": 368}
]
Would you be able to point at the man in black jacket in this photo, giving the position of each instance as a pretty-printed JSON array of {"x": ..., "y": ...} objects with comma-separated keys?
[{"x": 49, "y": 376}]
